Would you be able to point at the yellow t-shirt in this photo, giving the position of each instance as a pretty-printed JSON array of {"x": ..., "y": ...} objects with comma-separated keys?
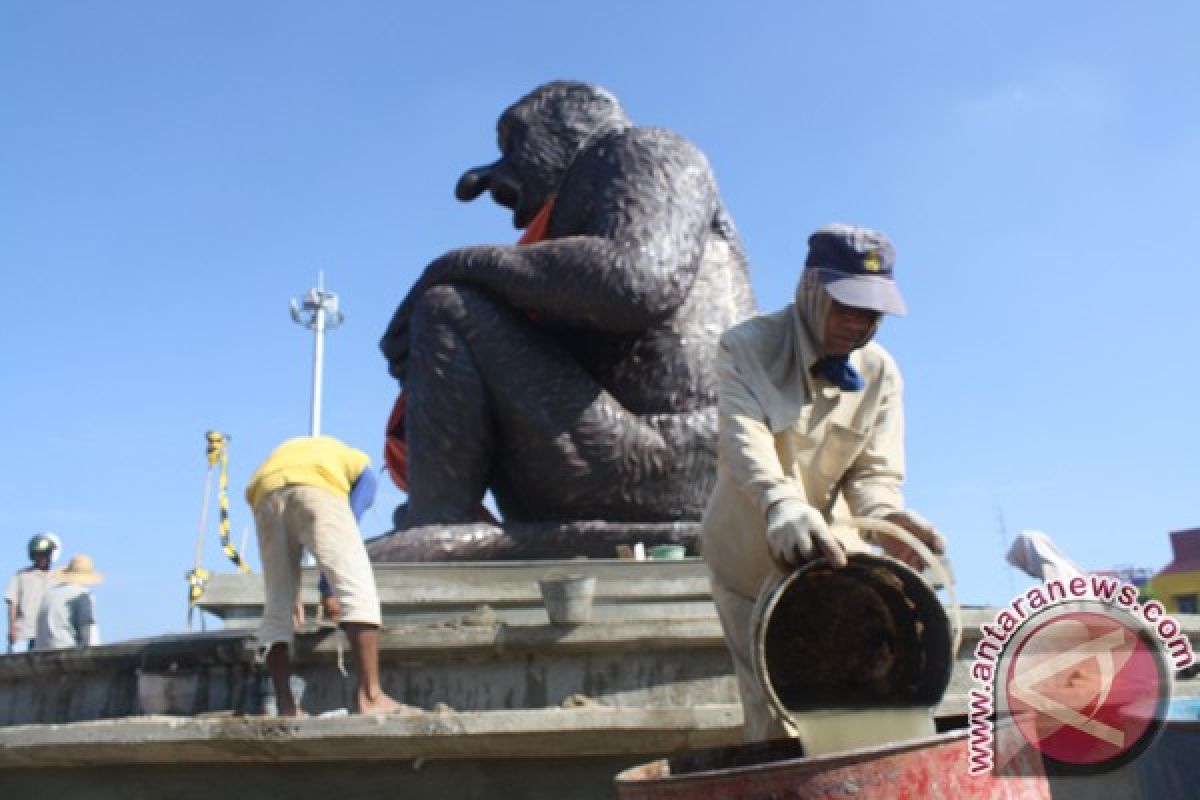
[{"x": 312, "y": 461}]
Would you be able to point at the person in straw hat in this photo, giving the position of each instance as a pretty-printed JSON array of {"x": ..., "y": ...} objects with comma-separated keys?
[{"x": 67, "y": 617}]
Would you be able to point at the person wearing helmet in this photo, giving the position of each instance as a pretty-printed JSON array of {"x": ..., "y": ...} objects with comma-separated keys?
[
  {"x": 25, "y": 591},
  {"x": 810, "y": 430}
]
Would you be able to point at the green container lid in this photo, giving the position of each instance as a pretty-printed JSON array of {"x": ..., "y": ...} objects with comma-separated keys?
[{"x": 667, "y": 552}]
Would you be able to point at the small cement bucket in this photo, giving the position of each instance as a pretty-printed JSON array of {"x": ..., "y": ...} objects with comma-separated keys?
[
  {"x": 853, "y": 656},
  {"x": 568, "y": 599}
]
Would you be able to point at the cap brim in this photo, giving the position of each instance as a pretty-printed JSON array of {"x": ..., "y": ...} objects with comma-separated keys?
[{"x": 863, "y": 291}]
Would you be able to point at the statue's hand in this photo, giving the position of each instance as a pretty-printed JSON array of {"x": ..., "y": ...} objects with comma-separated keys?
[{"x": 396, "y": 342}]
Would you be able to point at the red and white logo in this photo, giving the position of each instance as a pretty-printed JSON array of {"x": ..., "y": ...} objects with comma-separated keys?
[{"x": 1086, "y": 689}]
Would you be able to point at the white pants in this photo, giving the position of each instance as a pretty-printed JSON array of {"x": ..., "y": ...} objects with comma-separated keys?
[
  {"x": 737, "y": 619},
  {"x": 296, "y": 517}
]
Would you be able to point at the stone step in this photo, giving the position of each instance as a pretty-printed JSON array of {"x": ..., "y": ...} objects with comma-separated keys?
[
  {"x": 429, "y": 592},
  {"x": 470, "y": 667},
  {"x": 453, "y": 734},
  {"x": 539, "y": 754},
  {"x": 438, "y": 647}
]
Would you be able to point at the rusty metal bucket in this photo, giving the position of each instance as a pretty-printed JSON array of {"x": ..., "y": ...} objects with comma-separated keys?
[
  {"x": 871, "y": 634},
  {"x": 933, "y": 768},
  {"x": 855, "y": 656}
]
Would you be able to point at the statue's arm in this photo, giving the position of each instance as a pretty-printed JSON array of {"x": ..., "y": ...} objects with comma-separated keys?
[
  {"x": 631, "y": 225},
  {"x": 636, "y": 213}
]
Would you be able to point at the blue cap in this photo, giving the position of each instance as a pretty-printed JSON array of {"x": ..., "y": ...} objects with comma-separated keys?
[{"x": 855, "y": 265}]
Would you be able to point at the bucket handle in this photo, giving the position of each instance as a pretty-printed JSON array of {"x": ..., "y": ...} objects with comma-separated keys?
[{"x": 876, "y": 525}]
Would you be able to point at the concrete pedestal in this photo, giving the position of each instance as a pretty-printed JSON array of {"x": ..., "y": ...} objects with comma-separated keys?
[{"x": 516, "y": 707}]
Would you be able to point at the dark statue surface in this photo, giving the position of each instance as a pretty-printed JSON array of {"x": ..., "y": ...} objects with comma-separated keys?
[{"x": 572, "y": 377}]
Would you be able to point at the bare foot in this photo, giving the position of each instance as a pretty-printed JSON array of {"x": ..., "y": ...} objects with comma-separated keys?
[
  {"x": 402, "y": 710},
  {"x": 382, "y": 704}
]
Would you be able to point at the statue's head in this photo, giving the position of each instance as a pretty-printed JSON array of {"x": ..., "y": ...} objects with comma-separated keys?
[{"x": 539, "y": 136}]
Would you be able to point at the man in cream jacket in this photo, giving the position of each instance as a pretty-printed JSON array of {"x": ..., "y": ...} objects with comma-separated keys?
[{"x": 811, "y": 430}]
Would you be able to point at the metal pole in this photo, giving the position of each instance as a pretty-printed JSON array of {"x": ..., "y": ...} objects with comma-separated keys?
[
  {"x": 314, "y": 423},
  {"x": 323, "y": 313}
]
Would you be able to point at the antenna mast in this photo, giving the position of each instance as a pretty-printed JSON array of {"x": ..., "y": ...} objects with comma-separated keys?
[{"x": 318, "y": 312}]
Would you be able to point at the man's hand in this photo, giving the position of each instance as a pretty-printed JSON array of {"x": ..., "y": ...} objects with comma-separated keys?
[
  {"x": 919, "y": 527},
  {"x": 797, "y": 533},
  {"x": 331, "y": 608}
]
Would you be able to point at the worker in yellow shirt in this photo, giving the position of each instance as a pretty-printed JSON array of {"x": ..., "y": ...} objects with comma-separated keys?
[{"x": 308, "y": 494}]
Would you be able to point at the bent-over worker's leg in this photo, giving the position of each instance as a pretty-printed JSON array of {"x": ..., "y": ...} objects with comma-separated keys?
[
  {"x": 280, "y": 557},
  {"x": 333, "y": 537},
  {"x": 364, "y": 641},
  {"x": 279, "y": 666}
]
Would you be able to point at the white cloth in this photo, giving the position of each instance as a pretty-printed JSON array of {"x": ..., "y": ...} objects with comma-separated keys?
[
  {"x": 784, "y": 433},
  {"x": 296, "y": 517},
  {"x": 1035, "y": 554}
]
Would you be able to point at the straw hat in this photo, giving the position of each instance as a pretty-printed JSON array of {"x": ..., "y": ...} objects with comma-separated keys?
[{"x": 80, "y": 571}]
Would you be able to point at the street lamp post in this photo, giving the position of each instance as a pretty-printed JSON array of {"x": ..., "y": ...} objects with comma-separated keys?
[{"x": 319, "y": 312}]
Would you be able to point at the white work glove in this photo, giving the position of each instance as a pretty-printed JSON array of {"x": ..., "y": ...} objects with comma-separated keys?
[
  {"x": 919, "y": 527},
  {"x": 797, "y": 533}
]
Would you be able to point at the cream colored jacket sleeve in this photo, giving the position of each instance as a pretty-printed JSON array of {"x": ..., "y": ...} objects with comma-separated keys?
[{"x": 746, "y": 444}]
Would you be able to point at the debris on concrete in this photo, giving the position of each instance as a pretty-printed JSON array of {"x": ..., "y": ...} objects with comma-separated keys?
[{"x": 578, "y": 700}]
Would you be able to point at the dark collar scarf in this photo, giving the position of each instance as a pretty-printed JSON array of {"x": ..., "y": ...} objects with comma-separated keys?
[{"x": 838, "y": 371}]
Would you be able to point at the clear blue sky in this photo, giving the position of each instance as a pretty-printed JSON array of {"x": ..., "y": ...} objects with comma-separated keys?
[{"x": 171, "y": 173}]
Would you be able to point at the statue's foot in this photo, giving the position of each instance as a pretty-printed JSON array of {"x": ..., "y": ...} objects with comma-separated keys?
[
  {"x": 479, "y": 541},
  {"x": 472, "y": 541}
]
